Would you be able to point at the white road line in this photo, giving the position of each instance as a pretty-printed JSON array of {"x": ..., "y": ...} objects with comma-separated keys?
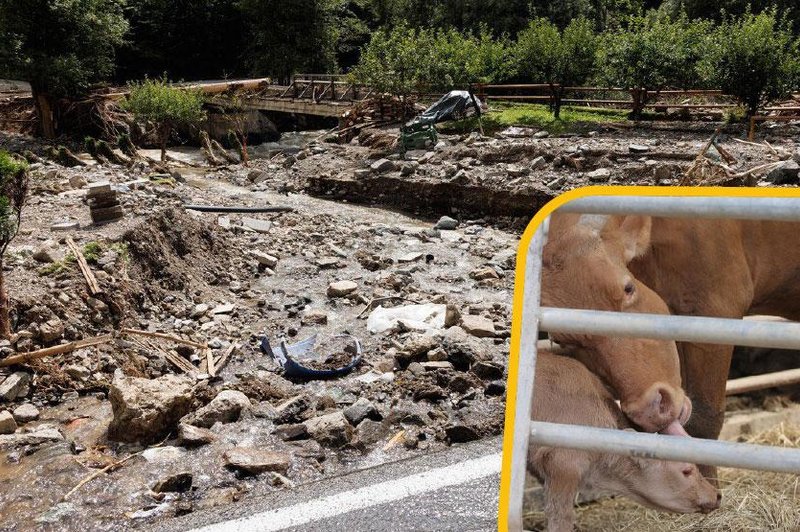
[{"x": 373, "y": 495}]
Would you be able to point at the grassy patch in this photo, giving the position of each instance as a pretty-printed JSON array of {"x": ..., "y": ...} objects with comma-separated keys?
[
  {"x": 121, "y": 248},
  {"x": 502, "y": 115},
  {"x": 59, "y": 266},
  {"x": 92, "y": 252}
]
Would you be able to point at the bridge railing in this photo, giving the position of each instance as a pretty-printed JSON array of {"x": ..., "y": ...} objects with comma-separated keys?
[{"x": 678, "y": 328}]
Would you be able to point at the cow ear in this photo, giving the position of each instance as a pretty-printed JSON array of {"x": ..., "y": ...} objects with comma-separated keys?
[
  {"x": 561, "y": 222},
  {"x": 635, "y": 235}
]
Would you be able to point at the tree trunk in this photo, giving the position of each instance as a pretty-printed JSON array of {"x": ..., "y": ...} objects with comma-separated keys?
[
  {"x": 558, "y": 96},
  {"x": 44, "y": 108},
  {"x": 5, "y": 321},
  {"x": 163, "y": 136}
]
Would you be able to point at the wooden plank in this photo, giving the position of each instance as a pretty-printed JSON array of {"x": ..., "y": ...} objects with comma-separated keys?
[
  {"x": 91, "y": 280},
  {"x": 179, "y": 362},
  {"x": 55, "y": 350},
  {"x": 211, "y": 368},
  {"x": 226, "y": 356},
  {"x": 164, "y": 336}
]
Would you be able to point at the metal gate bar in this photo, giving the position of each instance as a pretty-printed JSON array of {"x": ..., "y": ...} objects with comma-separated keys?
[
  {"x": 772, "y": 209},
  {"x": 660, "y": 447},
  {"x": 730, "y": 331},
  {"x": 778, "y": 335}
]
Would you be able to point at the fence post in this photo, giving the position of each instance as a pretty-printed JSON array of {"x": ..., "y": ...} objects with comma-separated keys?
[{"x": 525, "y": 376}]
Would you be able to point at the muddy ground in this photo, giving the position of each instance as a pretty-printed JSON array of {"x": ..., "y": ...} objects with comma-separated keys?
[{"x": 365, "y": 231}]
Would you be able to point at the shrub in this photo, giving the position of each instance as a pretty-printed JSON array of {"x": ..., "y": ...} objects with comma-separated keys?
[
  {"x": 165, "y": 105},
  {"x": 13, "y": 190}
]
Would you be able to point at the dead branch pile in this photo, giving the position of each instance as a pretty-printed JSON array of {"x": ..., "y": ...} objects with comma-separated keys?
[
  {"x": 714, "y": 165},
  {"x": 375, "y": 112},
  {"x": 17, "y": 115}
]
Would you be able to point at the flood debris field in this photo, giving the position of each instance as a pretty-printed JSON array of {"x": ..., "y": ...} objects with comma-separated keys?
[{"x": 135, "y": 429}]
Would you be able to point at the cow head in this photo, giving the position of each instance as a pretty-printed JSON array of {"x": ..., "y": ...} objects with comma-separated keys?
[{"x": 585, "y": 266}]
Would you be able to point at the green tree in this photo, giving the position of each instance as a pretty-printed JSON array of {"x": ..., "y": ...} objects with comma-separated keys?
[
  {"x": 560, "y": 59},
  {"x": 13, "y": 190},
  {"x": 652, "y": 53},
  {"x": 290, "y": 36},
  {"x": 753, "y": 57},
  {"x": 392, "y": 62},
  {"x": 60, "y": 47},
  {"x": 164, "y": 105}
]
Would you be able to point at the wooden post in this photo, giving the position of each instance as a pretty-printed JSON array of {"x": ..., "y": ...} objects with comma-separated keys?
[{"x": 333, "y": 88}]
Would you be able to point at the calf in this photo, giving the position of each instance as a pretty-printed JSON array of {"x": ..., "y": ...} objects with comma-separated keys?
[{"x": 567, "y": 392}]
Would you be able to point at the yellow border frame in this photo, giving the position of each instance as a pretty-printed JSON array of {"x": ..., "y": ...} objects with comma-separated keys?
[{"x": 516, "y": 315}]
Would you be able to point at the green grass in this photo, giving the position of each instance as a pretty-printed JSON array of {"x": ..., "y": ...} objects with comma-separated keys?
[
  {"x": 92, "y": 252},
  {"x": 502, "y": 115}
]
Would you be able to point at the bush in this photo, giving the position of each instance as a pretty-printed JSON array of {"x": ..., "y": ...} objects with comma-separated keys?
[
  {"x": 13, "y": 189},
  {"x": 755, "y": 58},
  {"x": 165, "y": 105}
]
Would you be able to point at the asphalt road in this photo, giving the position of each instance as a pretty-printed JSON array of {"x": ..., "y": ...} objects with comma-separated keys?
[{"x": 456, "y": 490}]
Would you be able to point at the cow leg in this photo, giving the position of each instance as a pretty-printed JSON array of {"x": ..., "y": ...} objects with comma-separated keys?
[
  {"x": 704, "y": 369},
  {"x": 563, "y": 471}
]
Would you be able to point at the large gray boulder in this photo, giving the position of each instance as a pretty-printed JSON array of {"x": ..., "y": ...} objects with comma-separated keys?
[{"x": 147, "y": 410}]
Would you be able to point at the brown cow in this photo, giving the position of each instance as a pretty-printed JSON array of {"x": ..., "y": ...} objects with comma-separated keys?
[
  {"x": 721, "y": 268},
  {"x": 567, "y": 392},
  {"x": 586, "y": 268}
]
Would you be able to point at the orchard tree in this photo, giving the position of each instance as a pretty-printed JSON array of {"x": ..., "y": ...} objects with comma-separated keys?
[
  {"x": 392, "y": 62},
  {"x": 755, "y": 58},
  {"x": 560, "y": 59},
  {"x": 60, "y": 47},
  {"x": 654, "y": 52},
  {"x": 13, "y": 189},
  {"x": 165, "y": 105}
]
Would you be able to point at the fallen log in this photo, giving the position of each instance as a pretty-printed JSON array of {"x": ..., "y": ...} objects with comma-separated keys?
[
  {"x": 208, "y": 150},
  {"x": 55, "y": 350},
  {"x": 223, "y": 152},
  {"x": 64, "y": 157}
]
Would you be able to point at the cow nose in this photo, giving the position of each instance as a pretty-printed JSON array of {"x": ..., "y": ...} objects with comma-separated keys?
[{"x": 711, "y": 505}]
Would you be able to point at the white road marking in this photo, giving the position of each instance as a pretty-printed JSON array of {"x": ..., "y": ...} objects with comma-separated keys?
[{"x": 373, "y": 495}]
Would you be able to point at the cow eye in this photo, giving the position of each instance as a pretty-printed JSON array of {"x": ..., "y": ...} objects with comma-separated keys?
[{"x": 630, "y": 288}]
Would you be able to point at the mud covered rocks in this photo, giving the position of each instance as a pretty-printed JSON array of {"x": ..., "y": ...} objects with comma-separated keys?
[
  {"x": 147, "y": 410},
  {"x": 191, "y": 436},
  {"x": 226, "y": 407},
  {"x": 341, "y": 288},
  {"x": 7, "y": 423},
  {"x": 254, "y": 461},
  {"x": 330, "y": 429},
  {"x": 14, "y": 385},
  {"x": 26, "y": 413}
]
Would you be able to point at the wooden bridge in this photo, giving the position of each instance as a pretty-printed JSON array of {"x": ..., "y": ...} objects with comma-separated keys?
[{"x": 311, "y": 94}]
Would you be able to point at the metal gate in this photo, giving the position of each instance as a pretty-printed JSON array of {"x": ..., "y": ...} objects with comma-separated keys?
[{"x": 678, "y": 328}]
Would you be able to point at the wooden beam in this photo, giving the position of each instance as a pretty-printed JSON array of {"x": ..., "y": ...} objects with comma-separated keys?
[
  {"x": 91, "y": 280},
  {"x": 55, "y": 350},
  {"x": 762, "y": 382}
]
